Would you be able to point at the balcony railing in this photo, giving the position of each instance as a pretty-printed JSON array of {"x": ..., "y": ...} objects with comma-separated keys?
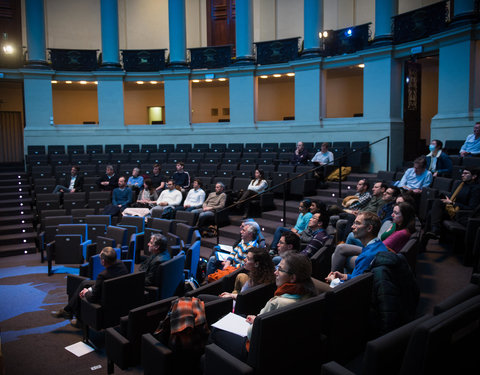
[
  {"x": 421, "y": 23},
  {"x": 73, "y": 59},
  {"x": 210, "y": 57},
  {"x": 277, "y": 51},
  {"x": 143, "y": 60}
]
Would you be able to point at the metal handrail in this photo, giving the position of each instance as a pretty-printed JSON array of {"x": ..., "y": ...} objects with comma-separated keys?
[{"x": 286, "y": 181}]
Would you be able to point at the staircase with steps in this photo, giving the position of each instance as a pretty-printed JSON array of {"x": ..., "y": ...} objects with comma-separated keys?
[
  {"x": 17, "y": 235},
  {"x": 271, "y": 220}
]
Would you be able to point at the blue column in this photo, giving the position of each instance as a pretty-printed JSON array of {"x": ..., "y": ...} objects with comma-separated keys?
[
  {"x": 244, "y": 31},
  {"x": 177, "y": 33},
  {"x": 313, "y": 24},
  {"x": 35, "y": 16},
  {"x": 384, "y": 11},
  {"x": 109, "y": 19}
]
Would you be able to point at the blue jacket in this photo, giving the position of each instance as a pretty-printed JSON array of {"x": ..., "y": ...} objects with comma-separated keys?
[
  {"x": 366, "y": 257},
  {"x": 444, "y": 164},
  {"x": 123, "y": 197}
]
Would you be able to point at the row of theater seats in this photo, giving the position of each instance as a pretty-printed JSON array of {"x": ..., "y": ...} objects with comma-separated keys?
[{"x": 183, "y": 148}]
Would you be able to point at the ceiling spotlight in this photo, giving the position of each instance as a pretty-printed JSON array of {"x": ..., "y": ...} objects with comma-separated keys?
[
  {"x": 54, "y": 81},
  {"x": 291, "y": 74},
  {"x": 83, "y": 82},
  {"x": 208, "y": 80},
  {"x": 277, "y": 75},
  {"x": 361, "y": 66},
  {"x": 139, "y": 82},
  {"x": 195, "y": 80},
  {"x": 68, "y": 82},
  {"x": 264, "y": 77},
  {"x": 153, "y": 82},
  {"x": 222, "y": 79}
]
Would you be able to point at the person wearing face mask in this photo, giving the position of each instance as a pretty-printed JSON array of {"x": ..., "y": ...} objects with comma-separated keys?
[{"x": 438, "y": 162}]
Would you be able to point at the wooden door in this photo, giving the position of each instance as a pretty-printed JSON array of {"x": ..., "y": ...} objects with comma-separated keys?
[{"x": 221, "y": 22}]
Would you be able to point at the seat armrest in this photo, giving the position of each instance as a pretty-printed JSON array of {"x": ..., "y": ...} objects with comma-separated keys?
[
  {"x": 334, "y": 368},
  {"x": 215, "y": 310},
  {"x": 156, "y": 357},
  {"x": 220, "y": 362},
  {"x": 91, "y": 314},
  {"x": 117, "y": 347},
  {"x": 73, "y": 281}
]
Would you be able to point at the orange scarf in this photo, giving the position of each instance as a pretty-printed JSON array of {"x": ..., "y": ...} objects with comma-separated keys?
[{"x": 290, "y": 288}]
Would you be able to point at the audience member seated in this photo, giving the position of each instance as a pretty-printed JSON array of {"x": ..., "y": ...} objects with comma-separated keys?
[
  {"x": 146, "y": 200},
  {"x": 168, "y": 200},
  {"x": 322, "y": 158},
  {"x": 309, "y": 232},
  {"x": 471, "y": 147},
  {"x": 416, "y": 178},
  {"x": 438, "y": 162},
  {"x": 317, "y": 206},
  {"x": 373, "y": 203},
  {"x": 109, "y": 180},
  {"x": 257, "y": 186},
  {"x": 465, "y": 197},
  {"x": 301, "y": 224},
  {"x": 214, "y": 202},
  {"x": 72, "y": 183},
  {"x": 181, "y": 177},
  {"x": 389, "y": 197},
  {"x": 121, "y": 198},
  {"x": 195, "y": 197},
  {"x": 361, "y": 198},
  {"x": 289, "y": 241},
  {"x": 394, "y": 238},
  {"x": 294, "y": 283},
  {"x": 158, "y": 254},
  {"x": 365, "y": 228},
  {"x": 91, "y": 290},
  {"x": 135, "y": 181},
  {"x": 249, "y": 234},
  {"x": 318, "y": 224},
  {"x": 300, "y": 155},
  {"x": 260, "y": 270},
  {"x": 158, "y": 180}
]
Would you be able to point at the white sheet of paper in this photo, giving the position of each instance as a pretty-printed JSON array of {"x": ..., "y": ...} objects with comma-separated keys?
[
  {"x": 233, "y": 323},
  {"x": 79, "y": 349},
  {"x": 226, "y": 248}
]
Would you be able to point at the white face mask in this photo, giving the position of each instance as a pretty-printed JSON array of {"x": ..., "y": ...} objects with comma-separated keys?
[{"x": 431, "y": 147}]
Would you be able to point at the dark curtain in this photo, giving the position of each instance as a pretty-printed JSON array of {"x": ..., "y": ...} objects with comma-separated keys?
[{"x": 11, "y": 137}]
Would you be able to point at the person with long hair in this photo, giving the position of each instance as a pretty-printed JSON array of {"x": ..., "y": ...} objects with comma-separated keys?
[
  {"x": 259, "y": 269},
  {"x": 394, "y": 238},
  {"x": 148, "y": 195},
  {"x": 293, "y": 278},
  {"x": 257, "y": 186}
]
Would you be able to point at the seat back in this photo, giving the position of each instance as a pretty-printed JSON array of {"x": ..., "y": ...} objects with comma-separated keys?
[
  {"x": 120, "y": 295},
  {"x": 98, "y": 219},
  {"x": 184, "y": 231},
  {"x": 136, "y": 221},
  {"x": 95, "y": 230},
  {"x": 164, "y": 225},
  {"x": 322, "y": 260},
  {"x": 304, "y": 332},
  {"x": 169, "y": 277},
  {"x": 68, "y": 249},
  {"x": 192, "y": 257},
  {"x": 342, "y": 321},
  {"x": 254, "y": 299},
  {"x": 145, "y": 319},
  {"x": 80, "y": 229},
  {"x": 118, "y": 234},
  {"x": 190, "y": 218},
  {"x": 445, "y": 343}
]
